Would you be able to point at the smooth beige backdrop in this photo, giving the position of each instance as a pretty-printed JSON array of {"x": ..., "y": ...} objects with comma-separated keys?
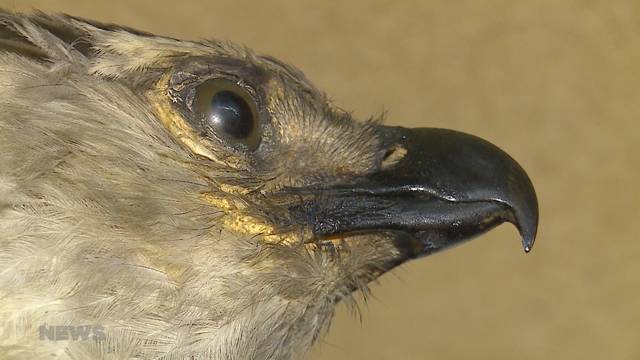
[{"x": 556, "y": 83}]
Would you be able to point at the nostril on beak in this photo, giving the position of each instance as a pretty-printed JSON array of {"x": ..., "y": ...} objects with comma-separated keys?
[{"x": 393, "y": 155}]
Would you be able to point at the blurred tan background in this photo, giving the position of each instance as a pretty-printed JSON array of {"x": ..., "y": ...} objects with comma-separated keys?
[{"x": 556, "y": 83}]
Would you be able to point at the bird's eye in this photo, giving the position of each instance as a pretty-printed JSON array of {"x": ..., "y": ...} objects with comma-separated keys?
[{"x": 229, "y": 111}]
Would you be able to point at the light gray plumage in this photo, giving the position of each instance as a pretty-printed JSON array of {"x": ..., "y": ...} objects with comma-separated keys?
[{"x": 181, "y": 245}]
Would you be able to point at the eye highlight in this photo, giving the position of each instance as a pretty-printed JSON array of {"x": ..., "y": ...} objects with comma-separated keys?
[{"x": 226, "y": 110}]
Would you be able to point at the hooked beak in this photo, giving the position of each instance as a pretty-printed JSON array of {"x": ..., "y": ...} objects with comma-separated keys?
[{"x": 448, "y": 188}]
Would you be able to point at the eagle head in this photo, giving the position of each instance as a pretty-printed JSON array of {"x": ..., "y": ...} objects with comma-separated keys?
[{"x": 199, "y": 201}]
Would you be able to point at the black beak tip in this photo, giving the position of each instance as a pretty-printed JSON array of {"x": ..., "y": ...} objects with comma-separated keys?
[
  {"x": 525, "y": 213},
  {"x": 528, "y": 231},
  {"x": 527, "y": 242}
]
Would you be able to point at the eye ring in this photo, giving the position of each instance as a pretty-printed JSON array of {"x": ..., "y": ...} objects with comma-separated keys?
[{"x": 226, "y": 110}]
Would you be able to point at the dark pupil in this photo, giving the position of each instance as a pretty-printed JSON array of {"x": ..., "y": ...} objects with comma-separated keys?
[{"x": 232, "y": 114}]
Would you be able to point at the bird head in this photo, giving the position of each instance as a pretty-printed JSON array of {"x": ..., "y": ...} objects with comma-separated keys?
[{"x": 212, "y": 200}]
